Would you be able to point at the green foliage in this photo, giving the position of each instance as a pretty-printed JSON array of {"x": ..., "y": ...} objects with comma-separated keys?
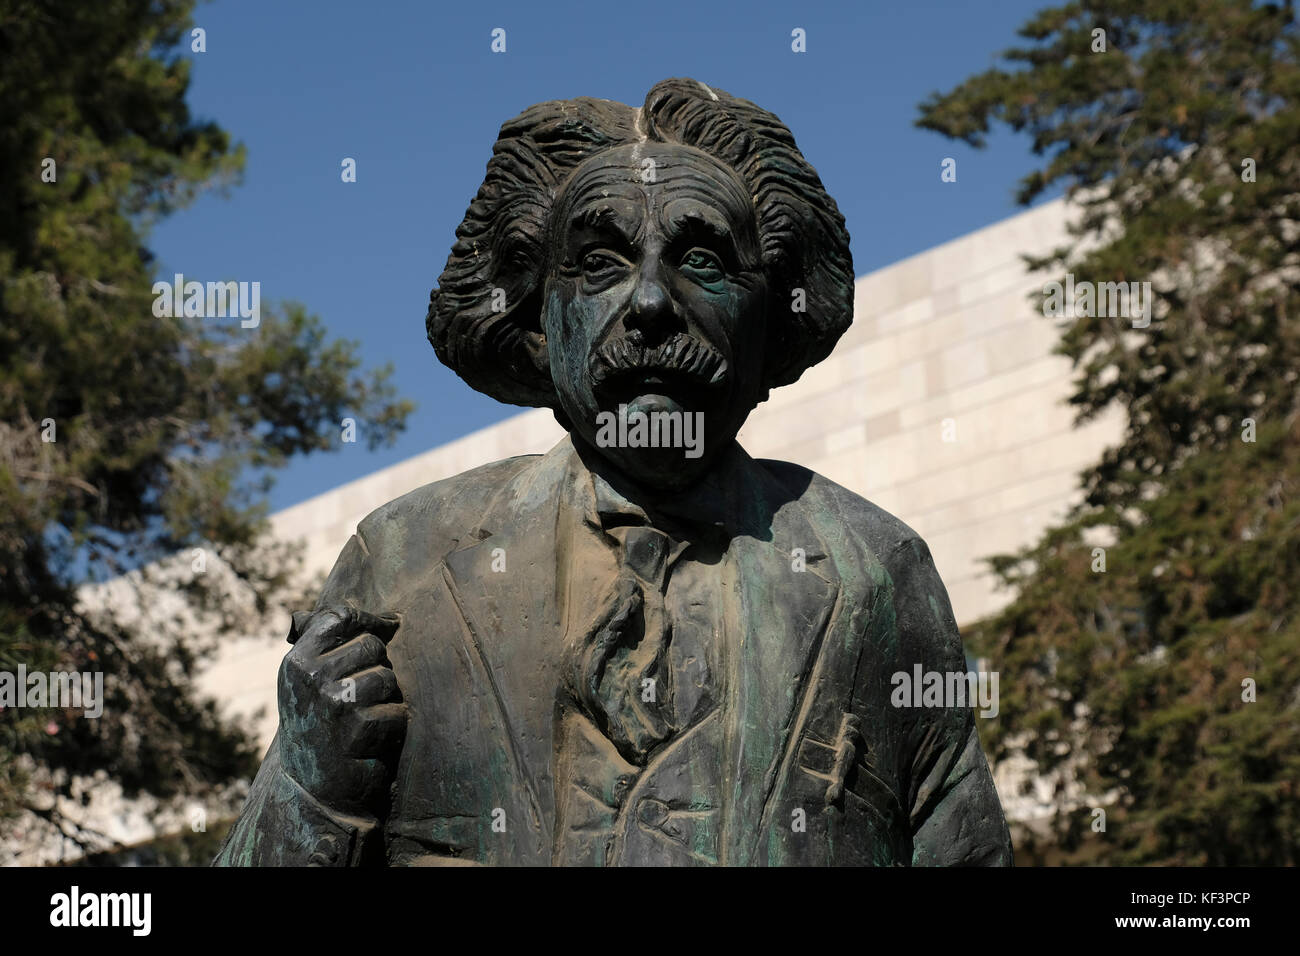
[
  {"x": 185, "y": 848},
  {"x": 1133, "y": 677},
  {"x": 166, "y": 429}
]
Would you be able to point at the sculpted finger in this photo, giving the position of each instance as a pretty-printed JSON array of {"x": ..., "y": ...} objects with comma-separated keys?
[
  {"x": 383, "y": 626},
  {"x": 329, "y": 627},
  {"x": 358, "y": 654},
  {"x": 376, "y": 685},
  {"x": 321, "y": 631},
  {"x": 375, "y": 730}
]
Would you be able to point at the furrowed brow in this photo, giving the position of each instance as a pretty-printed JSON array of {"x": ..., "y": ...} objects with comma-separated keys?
[
  {"x": 599, "y": 218},
  {"x": 695, "y": 223}
]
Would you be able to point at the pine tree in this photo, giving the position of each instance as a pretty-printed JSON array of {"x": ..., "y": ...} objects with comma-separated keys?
[
  {"x": 1170, "y": 681},
  {"x": 125, "y": 437}
]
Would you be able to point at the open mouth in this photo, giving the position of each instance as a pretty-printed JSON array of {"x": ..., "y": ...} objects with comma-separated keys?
[{"x": 622, "y": 386}]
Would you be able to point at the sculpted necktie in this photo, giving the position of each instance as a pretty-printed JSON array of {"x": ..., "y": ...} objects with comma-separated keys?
[
  {"x": 642, "y": 670},
  {"x": 625, "y": 679},
  {"x": 602, "y": 755}
]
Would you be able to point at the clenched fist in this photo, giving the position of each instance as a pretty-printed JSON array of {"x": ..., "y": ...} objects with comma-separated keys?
[{"x": 342, "y": 719}]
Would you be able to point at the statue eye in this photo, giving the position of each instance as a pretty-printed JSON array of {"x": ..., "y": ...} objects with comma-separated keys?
[
  {"x": 704, "y": 263},
  {"x": 599, "y": 262}
]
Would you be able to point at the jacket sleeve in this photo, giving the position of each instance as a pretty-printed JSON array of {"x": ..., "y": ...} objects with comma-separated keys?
[
  {"x": 956, "y": 816},
  {"x": 959, "y": 820},
  {"x": 281, "y": 823}
]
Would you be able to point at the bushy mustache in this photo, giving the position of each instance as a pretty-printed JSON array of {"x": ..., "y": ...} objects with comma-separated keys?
[{"x": 680, "y": 354}]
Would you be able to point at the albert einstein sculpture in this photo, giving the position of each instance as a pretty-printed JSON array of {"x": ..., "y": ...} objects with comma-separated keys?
[{"x": 643, "y": 647}]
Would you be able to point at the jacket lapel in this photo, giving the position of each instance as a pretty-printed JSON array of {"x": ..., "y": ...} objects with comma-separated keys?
[
  {"x": 821, "y": 743},
  {"x": 784, "y": 614},
  {"x": 510, "y": 589}
]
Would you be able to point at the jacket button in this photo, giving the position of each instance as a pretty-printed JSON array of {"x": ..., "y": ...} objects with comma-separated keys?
[{"x": 621, "y": 786}]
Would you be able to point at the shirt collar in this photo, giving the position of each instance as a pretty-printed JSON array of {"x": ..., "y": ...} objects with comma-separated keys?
[{"x": 713, "y": 502}]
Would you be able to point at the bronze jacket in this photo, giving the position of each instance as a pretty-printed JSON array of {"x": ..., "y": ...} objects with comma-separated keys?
[{"x": 807, "y": 761}]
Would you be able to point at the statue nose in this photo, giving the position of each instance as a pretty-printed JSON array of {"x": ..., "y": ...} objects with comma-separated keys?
[{"x": 652, "y": 311}]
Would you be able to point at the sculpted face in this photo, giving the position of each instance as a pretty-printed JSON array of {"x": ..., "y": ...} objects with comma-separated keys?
[{"x": 655, "y": 302}]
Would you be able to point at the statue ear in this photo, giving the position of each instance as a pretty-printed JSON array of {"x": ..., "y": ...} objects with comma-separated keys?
[
  {"x": 532, "y": 347},
  {"x": 530, "y": 362},
  {"x": 811, "y": 302}
]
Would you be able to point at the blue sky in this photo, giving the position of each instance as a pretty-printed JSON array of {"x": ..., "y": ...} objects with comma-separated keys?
[{"x": 414, "y": 93}]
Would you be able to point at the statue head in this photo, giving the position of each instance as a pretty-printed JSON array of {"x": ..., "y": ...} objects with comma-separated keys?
[{"x": 649, "y": 274}]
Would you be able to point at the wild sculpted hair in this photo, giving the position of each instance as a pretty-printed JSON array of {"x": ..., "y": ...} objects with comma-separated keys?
[{"x": 499, "y": 245}]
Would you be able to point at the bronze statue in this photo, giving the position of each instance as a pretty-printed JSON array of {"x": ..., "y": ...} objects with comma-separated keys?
[{"x": 643, "y": 647}]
